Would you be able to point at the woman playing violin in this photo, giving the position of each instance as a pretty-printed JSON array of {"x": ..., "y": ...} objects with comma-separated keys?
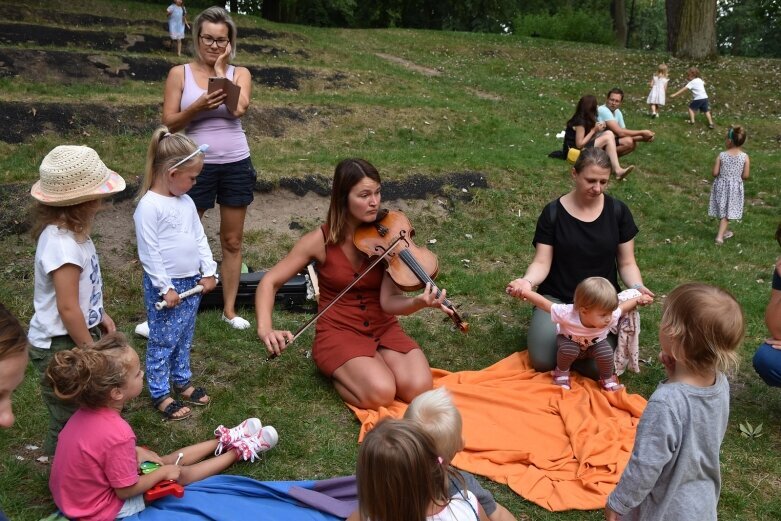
[{"x": 358, "y": 342}]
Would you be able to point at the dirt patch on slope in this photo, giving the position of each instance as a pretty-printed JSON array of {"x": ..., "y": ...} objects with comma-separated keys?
[
  {"x": 73, "y": 67},
  {"x": 286, "y": 210},
  {"x": 408, "y": 64},
  {"x": 19, "y": 120},
  {"x": 17, "y": 13}
]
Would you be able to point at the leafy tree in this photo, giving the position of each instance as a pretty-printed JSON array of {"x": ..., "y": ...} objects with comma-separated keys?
[{"x": 750, "y": 27}]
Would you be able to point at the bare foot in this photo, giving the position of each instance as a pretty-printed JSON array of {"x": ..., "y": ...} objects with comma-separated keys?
[{"x": 625, "y": 172}]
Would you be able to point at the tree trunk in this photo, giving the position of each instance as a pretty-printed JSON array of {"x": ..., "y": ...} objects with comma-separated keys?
[
  {"x": 691, "y": 28},
  {"x": 619, "y": 21}
]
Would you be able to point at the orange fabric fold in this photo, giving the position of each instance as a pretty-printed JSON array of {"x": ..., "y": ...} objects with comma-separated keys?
[{"x": 560, "y": 449}]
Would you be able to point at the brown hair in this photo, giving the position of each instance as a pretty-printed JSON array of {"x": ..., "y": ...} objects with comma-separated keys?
[
  {"x": 597, "y": 293},
  {"x": 615, "y": 90},
  {"x": 436, "y": 414},
  {"x": 87, "y": 375},
  {"x": 215, "y": 15},
  {"x": 737, "y": 135},
  {"x": 399, "y": 474},
  {"x": 13, "y": 340},
  {"x": 585, "y": 111},
  {"x": 705, "y": 325},
  {"x": 346, "y": 175},
  {"x": 164, "y": 151},
  {"x": 592, "y": 156},
  {"x": 694, "y": 72},
  {"x": 77, "y": 218}
]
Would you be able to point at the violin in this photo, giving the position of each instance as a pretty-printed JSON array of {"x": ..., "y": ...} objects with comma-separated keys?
[{"x": 410, "y": 266}]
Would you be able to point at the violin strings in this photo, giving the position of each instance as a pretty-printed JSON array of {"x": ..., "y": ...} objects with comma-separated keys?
[{"x": 413, "y": 264}]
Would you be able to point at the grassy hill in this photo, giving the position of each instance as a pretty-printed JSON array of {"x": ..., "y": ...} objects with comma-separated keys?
[{"x": 480, "y": 111}]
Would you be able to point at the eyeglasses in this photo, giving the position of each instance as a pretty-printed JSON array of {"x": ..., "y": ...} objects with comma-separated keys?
[
  {"x": 221, "y": 42},
  {"x": 200, "y": 150}
]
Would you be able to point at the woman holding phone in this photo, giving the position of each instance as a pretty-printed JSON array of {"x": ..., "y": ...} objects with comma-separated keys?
[{"x": 228, "y": 175}]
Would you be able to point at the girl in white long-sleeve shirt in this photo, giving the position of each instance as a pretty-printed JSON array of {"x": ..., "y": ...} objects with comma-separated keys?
[{"x": 175, "y": 255}]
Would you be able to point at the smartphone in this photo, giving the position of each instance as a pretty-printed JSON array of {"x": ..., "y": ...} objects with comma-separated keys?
[{"x": 228, "y": 87}]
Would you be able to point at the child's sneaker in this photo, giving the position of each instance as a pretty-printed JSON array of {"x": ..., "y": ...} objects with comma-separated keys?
[
  {"x": 251, "y": 447},
  {"x": 561, "y": 378},
  {"x": 611, "y": 384},
  {"x": 228, "y": 437}
]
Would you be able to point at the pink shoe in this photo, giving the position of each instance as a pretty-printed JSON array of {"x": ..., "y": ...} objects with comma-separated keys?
[
  {"x": 561, "y": 378},
  {"x": 611, "y": 384},
  {"x": 229, "y": 437},
  {"x": 251, "y": 447}
]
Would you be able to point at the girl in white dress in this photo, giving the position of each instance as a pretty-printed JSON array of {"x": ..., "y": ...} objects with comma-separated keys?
[
  {"x": 730, "y": 170},
  {"x": 656, "y": 97}
]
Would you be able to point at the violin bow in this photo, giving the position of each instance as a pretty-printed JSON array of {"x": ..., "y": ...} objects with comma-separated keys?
[{"x": 342, "y": 293}]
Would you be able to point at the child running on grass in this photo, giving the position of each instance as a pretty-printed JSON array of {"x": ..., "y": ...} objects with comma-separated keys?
[
  {"x": 401, "y": 477},
  {"x": 95, "y": 474},
  {"x": 731, "y": 169},
  {"x": 582, "y": 327},
  {"x": 699, "y": 97},
  {"x": 673, "y": 472},
  {"x": 176, "y": 257},
  {"x": 656, "y": 97},
  {"x": 436, "y": 414},
  {"x": 68, "y": 294}
]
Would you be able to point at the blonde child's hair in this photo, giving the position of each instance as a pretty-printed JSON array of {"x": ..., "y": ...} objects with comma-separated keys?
[
  {"x": 164, "y": 151},
  {"x": 13, "y": 340},
  {"x": 597, "y": 293},
  {"x": 662, "y": 70},
  {"x": 399, "y": 473},
  {"x": 436, "y": 414},
  {"x": 87, "y": 375},
  {"x": 694, "y": 72},
  {"x": 705, "y": 325},
  {"x": 77, "y": 218},
  {"x": 737, "y": 135}
]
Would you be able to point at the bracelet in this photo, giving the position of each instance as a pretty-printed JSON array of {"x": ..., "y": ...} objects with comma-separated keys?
[
  {"x": 530, "y": 282},
  {"x": 638, "y": 285}
]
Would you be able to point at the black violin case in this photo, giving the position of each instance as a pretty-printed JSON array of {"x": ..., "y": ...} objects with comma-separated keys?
[{"x": 291, "y": 296}]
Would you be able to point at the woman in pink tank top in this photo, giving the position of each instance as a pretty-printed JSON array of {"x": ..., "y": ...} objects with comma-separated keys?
[
  {"x": 359, "y": 343},
  {"x": 228, "y": 175}
]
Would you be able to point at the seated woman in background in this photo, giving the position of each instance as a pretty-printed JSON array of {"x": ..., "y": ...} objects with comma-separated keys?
[
  {"x": 583, "y": 131},
  {"x": 767, "y": 359},
  {"x": 584, "y": 233}
]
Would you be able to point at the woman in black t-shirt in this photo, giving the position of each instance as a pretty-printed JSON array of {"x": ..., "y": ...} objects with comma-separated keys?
[
  {"x": 585, "y": 233},
  {"x": 583, "y": 131}
]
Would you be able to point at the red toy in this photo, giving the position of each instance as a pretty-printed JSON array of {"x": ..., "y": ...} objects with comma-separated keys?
[{"x": 164, "y": 488}]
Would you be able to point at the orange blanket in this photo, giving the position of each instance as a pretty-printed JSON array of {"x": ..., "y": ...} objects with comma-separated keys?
[{"x": 560, "y": 449}]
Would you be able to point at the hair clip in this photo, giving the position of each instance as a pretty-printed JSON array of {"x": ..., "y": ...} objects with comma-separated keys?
[
  {"x": 440, "y": 460},
  {"x": 166, "y": 134},
  {"x": 200, "y": 150},
  {"x": 729, "y": 134}
]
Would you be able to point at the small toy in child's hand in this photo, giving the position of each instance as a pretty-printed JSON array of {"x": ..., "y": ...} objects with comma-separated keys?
[{"x": 166, "y": 487}]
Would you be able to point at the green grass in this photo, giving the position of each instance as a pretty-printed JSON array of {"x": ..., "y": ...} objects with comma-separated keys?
[{"x": 408, "y": 123}]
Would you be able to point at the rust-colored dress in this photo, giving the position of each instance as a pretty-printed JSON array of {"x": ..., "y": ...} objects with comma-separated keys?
[{"x": 356, "y": 325}]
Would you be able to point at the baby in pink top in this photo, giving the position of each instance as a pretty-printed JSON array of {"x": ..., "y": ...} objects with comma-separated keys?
[{"x": 583, "y": 327}]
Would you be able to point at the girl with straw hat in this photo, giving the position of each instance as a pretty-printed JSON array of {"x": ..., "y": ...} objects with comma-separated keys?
[{"x": 68, "y": 296}]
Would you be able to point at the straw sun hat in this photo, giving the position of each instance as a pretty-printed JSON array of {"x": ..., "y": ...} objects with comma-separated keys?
[{"x": 74, "y": 174}]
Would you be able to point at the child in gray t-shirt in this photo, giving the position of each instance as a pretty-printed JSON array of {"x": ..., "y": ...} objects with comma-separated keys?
[
  {"x": 436, "y": 414},
  {"x": 673, "y": 472}
]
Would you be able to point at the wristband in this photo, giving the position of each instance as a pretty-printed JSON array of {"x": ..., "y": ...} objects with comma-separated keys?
[{"x": 638, "y": 285}]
